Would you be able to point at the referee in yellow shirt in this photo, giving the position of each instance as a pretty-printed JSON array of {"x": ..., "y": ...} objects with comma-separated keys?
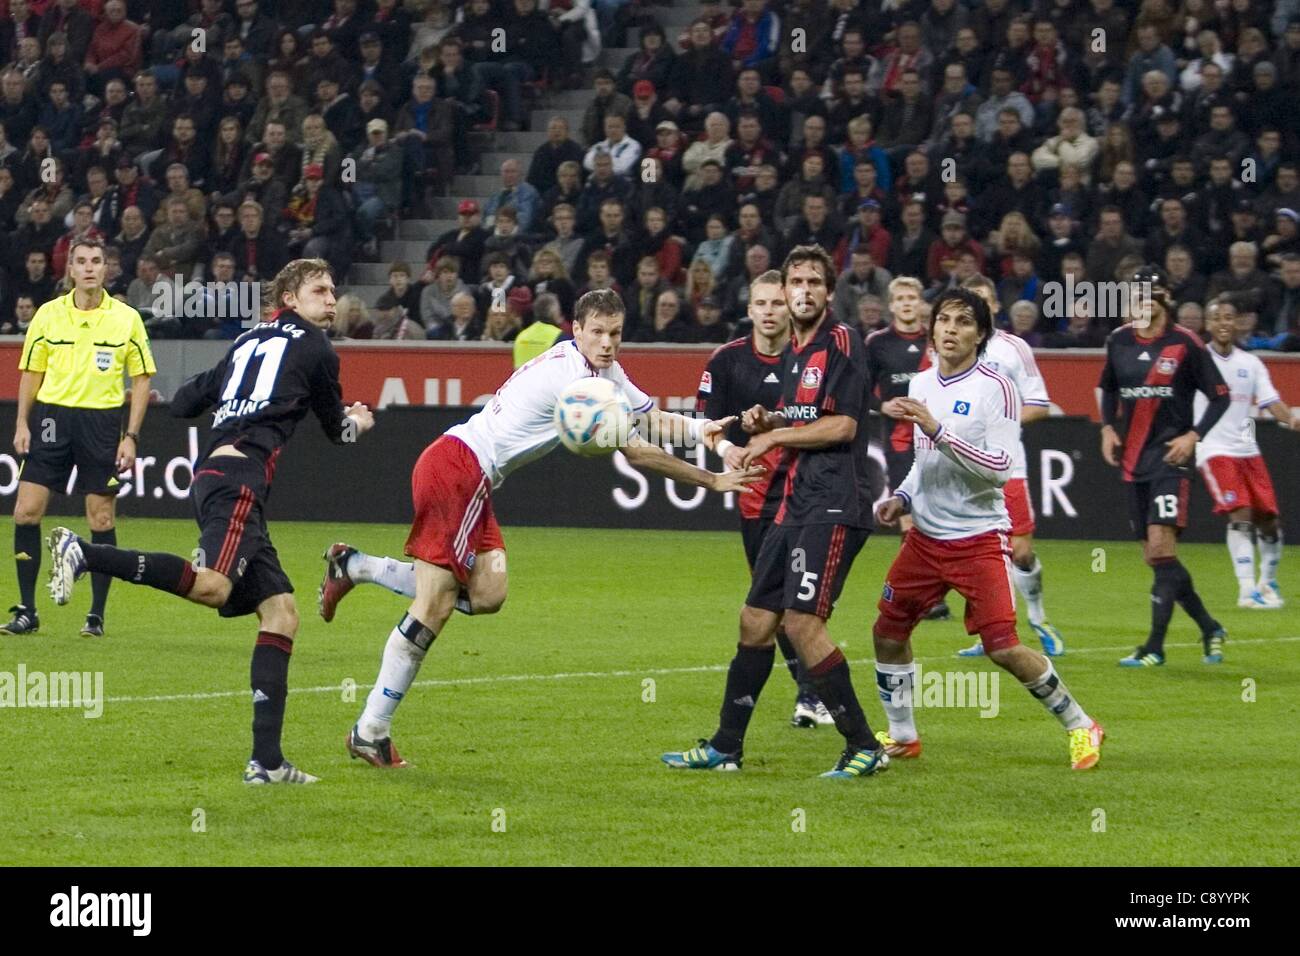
[{"x": 70, "y": 416}]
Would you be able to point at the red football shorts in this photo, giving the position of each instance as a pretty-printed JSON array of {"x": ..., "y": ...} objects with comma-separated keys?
[
  {"x": 453, "y": 509},
  {"x": 1239, "y": 483},
  {"x": 978, "y": 568},
  {"x": 1020, "y": 507}
]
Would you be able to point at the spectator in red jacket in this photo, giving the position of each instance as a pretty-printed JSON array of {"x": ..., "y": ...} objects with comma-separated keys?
[{"x": 115, "y": 48}]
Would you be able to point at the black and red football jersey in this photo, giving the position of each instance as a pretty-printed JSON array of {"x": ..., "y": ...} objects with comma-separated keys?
[
  {"x": 1148, "y": 389},
  {"x": 737, "y": 378},
  {"x": 827, "y": 376},
  {"x": 893, "y": 359}
]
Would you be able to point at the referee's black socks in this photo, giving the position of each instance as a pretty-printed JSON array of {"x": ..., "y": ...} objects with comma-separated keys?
[
  {"x": 99, "y": 582},
  {"x": 158, "y": 569},
  {"x": 27, "y": 560}
]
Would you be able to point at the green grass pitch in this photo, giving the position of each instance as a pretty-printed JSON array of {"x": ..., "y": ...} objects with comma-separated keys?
[{"x": 533, "y": 740}]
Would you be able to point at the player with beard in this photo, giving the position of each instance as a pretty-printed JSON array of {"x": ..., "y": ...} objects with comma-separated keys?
[
  {"x": 823, "y": 521},
  {"x": 740, "y": 375},
  {"x": 1153, "y": 371},
  {"x": 272, "y": 376}
]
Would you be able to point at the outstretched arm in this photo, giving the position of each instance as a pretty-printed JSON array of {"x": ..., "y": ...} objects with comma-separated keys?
[{"x": 647, "y": 457}]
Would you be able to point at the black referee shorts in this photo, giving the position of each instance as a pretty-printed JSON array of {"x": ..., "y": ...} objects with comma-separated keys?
[
  {"x": 804, "y": 568},
  {"x": 228, "y": 494},
  {"x": 64, "y": 438}
]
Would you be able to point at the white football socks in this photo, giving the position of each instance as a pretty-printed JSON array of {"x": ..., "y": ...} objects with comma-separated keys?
[
  {"x": 401, "y": 662},
  {"x": 397, "y": 576},
  {"x": 1055, "y": 696},
  {"x": 1270, "y": 556},
  {"x": 1241, "y": 548},
  {"x": 1030, "y": 585},
  {"x": 896, "y": 684}
]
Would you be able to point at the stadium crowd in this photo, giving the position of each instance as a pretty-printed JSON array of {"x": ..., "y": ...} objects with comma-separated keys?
[{"x": 1035, "y": 143}]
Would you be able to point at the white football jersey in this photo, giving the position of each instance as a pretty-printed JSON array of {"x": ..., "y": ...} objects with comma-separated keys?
[
  {"x": 1010, "y": 356},
  {"x": 1233, "y": 435},
  {"x": 954, "y": 489},
  {"x": 518, "y": 425}
]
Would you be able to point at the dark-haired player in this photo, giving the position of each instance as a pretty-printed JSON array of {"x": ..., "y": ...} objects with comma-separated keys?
[
  {"x": 1154, "y": 368},
  {"x": 272, "y": 376},
  {"x": 741, "y": 374},
  {"x": 967, "y": 422},
  {"x": 823, "y": 521}
]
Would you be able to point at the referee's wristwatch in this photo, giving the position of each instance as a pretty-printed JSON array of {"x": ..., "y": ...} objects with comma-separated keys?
[{"x": 134, "y": 436}]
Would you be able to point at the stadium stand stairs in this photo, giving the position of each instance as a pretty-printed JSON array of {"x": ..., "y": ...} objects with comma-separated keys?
[{"x": 369, "y": 279}]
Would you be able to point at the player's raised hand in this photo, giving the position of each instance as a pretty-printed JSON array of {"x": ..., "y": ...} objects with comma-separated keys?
[
  {"x": 1181, "y": 448},
  {"x": 889, "y": 511},
  {"x": 1110, "y": 445},
  {"x": 892, "y": 408},
  {"x": 754, "y": 420},
  {"x": 362, "y": 415},
  {"x": 916, "y": 413},
  {"x": 737, "y": 480},
  {"x": 714, "y": 430}
]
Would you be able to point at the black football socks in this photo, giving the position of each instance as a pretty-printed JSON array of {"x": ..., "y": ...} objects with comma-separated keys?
[
  {"x": 1173, "y": 585},
  {"x": 99, "y": 582},
  {"x": 831, "y": 681},
  {"x": 269, "y": 679},
  {"x": 746, "y": 676},
  {"x": 27, "y": 560},
  {"x": 157, "y": 569}
]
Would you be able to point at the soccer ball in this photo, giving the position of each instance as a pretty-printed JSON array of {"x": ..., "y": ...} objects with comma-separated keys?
[{"x": 593, "y": 417}]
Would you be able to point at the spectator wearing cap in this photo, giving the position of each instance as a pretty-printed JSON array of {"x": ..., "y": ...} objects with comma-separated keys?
[
  {"x": 114, "y": 49},
  {"x": 374, "y": 67},
  {"x": 862, "y": 278},
  {"x": 700, "y": 80},
  {"x": 646, "y": 114},
  {"x": 341, "y": 113},
  {"x": 710, "y": 327},
  {"x": 377, "y": 192},
  {"x": 558, "y": 149},
  {"x": 669, "y": 145},
  {"x": 543, "y": 332},
  {"x": 1284, "y": 240},
  {"x": 607, "y": 100},
  {"x": 103, "y": 148},
  {"x": 465, "y": 242},
  {"x": 952, "y": 242},
  {"x": 319, "y": 223},
  {"x": 1185, "y": 283},
  {"x": 129, "y": 189},
  {"x": 1062, "y": 239},
  {"x": 262, "y": 186},
  {"x": 868, "y": 232},
  {"x": 623, "y": 150},
  {"x": 461, "y": 87},
  {"x": 653, "y": 61},
  {"x": 602, "y": 185}
]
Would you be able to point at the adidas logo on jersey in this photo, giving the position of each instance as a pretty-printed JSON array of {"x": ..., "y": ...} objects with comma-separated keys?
[
  {"x": 771, "y": 377},
  {"x": 913, "y": 348},
  {"x": 1144, "y": 357}
]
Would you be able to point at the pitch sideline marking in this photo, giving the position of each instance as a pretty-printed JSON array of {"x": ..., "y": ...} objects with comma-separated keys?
[{"x": 579, "y": 675}]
